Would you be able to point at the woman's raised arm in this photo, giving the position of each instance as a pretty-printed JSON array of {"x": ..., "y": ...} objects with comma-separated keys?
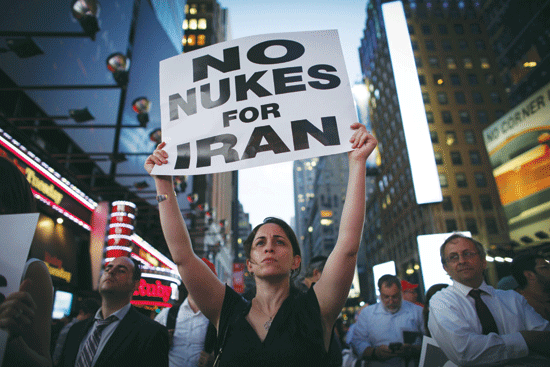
[
  {"x": 332, "y": 289},
  {"x": 207, "y": 290}
]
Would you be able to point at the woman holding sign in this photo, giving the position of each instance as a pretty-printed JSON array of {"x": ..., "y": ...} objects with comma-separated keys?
[{"x": 280, "y": 326}]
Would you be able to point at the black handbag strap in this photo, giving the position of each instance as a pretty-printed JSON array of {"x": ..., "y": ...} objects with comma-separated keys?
[
  {"x": 232, "y": 321},
  {"x": 210, "y": 339},
  {"x": 172, "y": 316}
]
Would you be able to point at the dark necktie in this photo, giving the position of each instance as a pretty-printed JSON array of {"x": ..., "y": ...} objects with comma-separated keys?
[
  {"x": 485, "y": 316},
  {"x": 90, "y": 348}
]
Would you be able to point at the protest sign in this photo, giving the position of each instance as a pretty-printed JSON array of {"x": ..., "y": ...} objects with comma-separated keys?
[
  {"x": 16, "y": 234},
  {"x": 255, "y": 101}
]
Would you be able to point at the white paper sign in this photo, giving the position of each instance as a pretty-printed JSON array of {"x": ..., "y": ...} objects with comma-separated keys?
[
  {"x": 16, "y": 234},
  {"x": 432, "y": 356},
  {"x": 255, "y": 101}
]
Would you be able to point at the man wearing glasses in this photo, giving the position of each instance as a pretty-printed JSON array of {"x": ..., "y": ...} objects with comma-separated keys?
[{"x": 475, "y": 324}]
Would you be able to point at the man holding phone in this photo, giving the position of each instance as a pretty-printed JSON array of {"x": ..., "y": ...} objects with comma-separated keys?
[{"x": 383, "y": 330}]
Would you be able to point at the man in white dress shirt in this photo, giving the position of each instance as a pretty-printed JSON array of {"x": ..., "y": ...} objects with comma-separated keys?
[
  {"x": 523, "y": 335},
  {"x": 187, "y": 347}
]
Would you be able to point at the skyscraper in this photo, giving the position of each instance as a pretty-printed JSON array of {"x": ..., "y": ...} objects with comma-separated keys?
[{"x": 455, "y": 74}]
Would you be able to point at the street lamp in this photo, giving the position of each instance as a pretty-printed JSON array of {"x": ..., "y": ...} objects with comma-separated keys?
[
  {"x": 118, "y": 64},
  {"x": 86, "y": 12},
  {"x": 142, "y": 106}
]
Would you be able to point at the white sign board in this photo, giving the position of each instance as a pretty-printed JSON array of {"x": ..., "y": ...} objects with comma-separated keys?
[
  {"x": 432, "y": 356},
  {"x": 255, "y": 101},
  {"x": 16, "y": 234},
  {"x": 379, "y": 270},
  {"x": 430, "y": 259}
]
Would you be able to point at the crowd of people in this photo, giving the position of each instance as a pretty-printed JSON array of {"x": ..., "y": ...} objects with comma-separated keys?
[{"x": 292, "y": 317}]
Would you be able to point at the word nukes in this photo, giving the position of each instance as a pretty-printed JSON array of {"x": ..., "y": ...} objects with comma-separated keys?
[
  {"x": 301, "y": 131},
  {"x": 242, "y": 87}
]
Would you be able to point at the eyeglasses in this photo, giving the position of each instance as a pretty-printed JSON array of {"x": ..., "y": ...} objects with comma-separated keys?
[{"x": 466, "y": 255}]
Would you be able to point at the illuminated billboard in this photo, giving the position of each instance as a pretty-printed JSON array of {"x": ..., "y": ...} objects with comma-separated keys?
[
  {"x": 415, "y": 125},
  {"x": 382, "y": 269},
  {"x": 430, "y": 259},
  {"x": 519, "y": 151},
  {"x": 361, "y": 96}
]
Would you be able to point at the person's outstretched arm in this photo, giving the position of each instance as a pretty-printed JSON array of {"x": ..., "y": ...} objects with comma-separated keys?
[
  {"x": 207, "y": 290},
  {"x": 332, "y": 289}
]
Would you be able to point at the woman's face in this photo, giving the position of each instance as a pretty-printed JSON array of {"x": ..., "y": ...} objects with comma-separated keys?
[{"x": 271, "y": 253}]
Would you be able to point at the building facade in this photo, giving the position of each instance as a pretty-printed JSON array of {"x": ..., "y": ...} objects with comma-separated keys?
[{"x": 461, "y": 95}]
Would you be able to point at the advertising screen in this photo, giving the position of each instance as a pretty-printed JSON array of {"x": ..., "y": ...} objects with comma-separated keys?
[
  {"x": 62, "y": 304},
  {"x": 519, "y": 151}
]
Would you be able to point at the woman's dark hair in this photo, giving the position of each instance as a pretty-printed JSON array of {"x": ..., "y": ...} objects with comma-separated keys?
[
  {"x": 426, "y": 310},
  {"x": 288, "y": 231},
  {"x": 15, "y": 192}
]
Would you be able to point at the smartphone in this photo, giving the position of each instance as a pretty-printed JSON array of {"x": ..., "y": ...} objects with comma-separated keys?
[{"x": 395, "y": 346}]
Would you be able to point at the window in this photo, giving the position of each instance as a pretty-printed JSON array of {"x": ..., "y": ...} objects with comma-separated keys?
[
  {"x": 469, "y": 137},
  {"x": 490, "y": 79},
  {"x": 191, "y": 40},
  {"x": 456, "y": 159},
  {"x": 466, "y": 202},
  {"x": 467, "y": 63},
  {"x": 480, "y": 179},
  {"x": 442, "y": 98},
  {"x": 471, "y": 225},
  {"x": 442, "y": 28},
  {"x": 459, "y": 29},
  {"x": 499, "y": 114},
  {"x": 461, "y": 180},
  {"x": 201, "y": 40},
  {"x": 438, "y": 158},
  {"x": 482, "y": 117},
  {"x": 421, "y": 79},
  {"x": 418, "y": 62},
  {"x": 426, "y": 97},
  {"x": 414, "y": 45},
  {"x": 475, "y": 157},
  {"x": 491, "y": 225},
  {"x": 480, "y": 45},
  {"x": 434, "y": 137},
  {"x": 475, "y": 29},
  {"x": 450, "y": 138},
  {"x": 472, "y": 79},
  {"x": 460, "y": 98},
  {"x": 495, "y": 98},
  {"x": 484, "y": 63},
  {"x": 450, "y": 224},
  {"x": 455, "y": 79},
  {"x": 477, "y": 97},
  {"x": 192, "y": 24},
  {"x": 486, "y": 202},
  {"x": 443, "y": 180},
  {"x": 434, "y": 62},
  {"x": 430, "y": 117},
  {"x": 430, "y": 45},
  {"x": 426, "y": 29},
  {"x": 446, "y": 45},
  {"x": 464, "y": 117},
  {"x": 447, "y": 204},
  {"x": 451, "y": 64},
  {"x": 438, "y": 79},
  {"x": 202, "y": 23},
  {"x": 447, "y": 117},
  {"x": 462, "y": 44}
]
